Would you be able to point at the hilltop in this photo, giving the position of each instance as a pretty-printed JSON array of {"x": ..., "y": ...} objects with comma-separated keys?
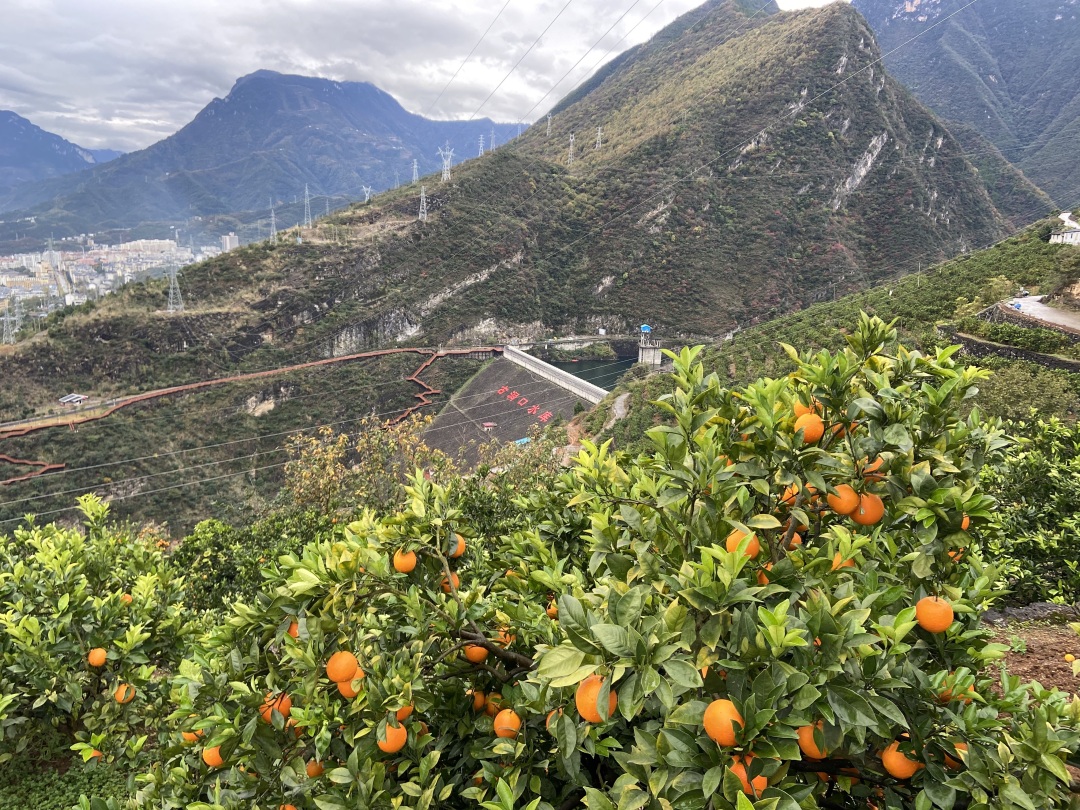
[
  {"x": 272, "y": 134},
  {"x": 1006, "y": 68},
  {"x": 29, "y": 154},
  {"x": 750, "y": 165}
]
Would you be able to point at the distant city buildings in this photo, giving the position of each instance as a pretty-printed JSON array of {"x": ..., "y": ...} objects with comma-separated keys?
[
  {"x": 77, "y": 271},
  {"x": 229, "y": 242}
]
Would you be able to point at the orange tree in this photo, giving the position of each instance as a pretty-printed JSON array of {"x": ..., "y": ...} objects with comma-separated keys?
[
  {"x": 87, "y": 618},
  {"x": 778, "y": 608}
]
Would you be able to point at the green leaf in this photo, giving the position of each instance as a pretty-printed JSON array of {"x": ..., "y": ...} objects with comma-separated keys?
[
  {"x": 683, "y": 673},
  {"x": 614, "y": 639},
  {"x": 560, "y": 661}
]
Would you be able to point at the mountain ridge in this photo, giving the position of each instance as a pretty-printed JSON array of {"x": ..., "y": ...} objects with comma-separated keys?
[
  {"x": 268, "y": 137},
  {"x": 1006, "y": 68},
  {"x": 29, "y": 154}
]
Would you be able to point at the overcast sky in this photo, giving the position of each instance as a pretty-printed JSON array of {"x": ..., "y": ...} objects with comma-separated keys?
[{"x": 125, "y": 73}]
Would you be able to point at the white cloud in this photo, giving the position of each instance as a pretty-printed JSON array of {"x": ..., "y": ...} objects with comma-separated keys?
[{"x": 125, "y": 73}]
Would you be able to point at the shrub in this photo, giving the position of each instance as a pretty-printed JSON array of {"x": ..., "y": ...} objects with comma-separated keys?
[
  {"x": 1036, "y": 486},
  {"x": 635, "y": 598},
  {"x": 65, "y": 592}
]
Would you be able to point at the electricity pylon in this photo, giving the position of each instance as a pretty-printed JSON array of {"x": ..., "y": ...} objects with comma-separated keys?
[
  {"x": 599, "y": 137},
  {"x": 415, "y": 170},
  {"x": 307, "y": 207},
  {"x": 570, "y": 156},
  {"x": 447, "y": 156},
  {"x": 481, "y": 153},
  {"x": 423, "y": 204},
  {"x": 367, "y": 193},
  {"x": 273, "y": 223},
  {"x": 176, "y": 301}
]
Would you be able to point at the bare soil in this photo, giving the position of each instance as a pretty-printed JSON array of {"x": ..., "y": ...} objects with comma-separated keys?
[{"x": 1043, "y": 656}]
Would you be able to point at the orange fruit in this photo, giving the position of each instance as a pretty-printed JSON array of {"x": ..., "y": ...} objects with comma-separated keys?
[
  {"x": 403, "y": 713},
  {"x": 869, "y": 511},
  {"x": 342, "y": 666},
  {"x": 871, "y": 471},
  {"x": 125, "y": 598},
  {"x": 740, "y": 768},
  {"x": 451, "y": 583},
  {"x": 763, "y": 580},
  {"x": 479, "y": 700},
  {"x": 933, "y": 614},
  {"x": 807, "y": 744},
  {"x": 845, "y": 501},
  {"x": 424, "y": 730},
  {"x": 587, "y": 699},
  {"x": 396, "y": 737},
  {"x": 507, "y": 723},
  {"x": 212, "y": 757},
  {"x": 97, "y": 657},
  {"x": 790, "y": 492},
  {"x": 794, "y": 542},
  {"x": 125, "y": 693},
  {"x": 957, "y": 554},
  {"x": 404, "y": 561},
  {"x": 505, "y": 638},
  {"x": 720, "y": 720},
  {"x": 475, "y": 653},
  {"x": 493, "y": 704},
  {"x": 96, "y": 754},
  {"x": 952, "y": 763},
  {"x": 801, "y": 410},
  {"x": 897, "y": 764},
  {"x": 839, "y": 562},
  {"x": 286, "y": 807},
  {"x": 753, "y": 548},
  {"x": 282, "y": 704},
  {"x": 347, "y": 689},
  {"x": 190, "y": 736},
  {"x": 554, "y": 713},
  {"x": 965, "y": 523},
  {"x": 294, "y": 629},
  {"x": 314, "y": 769},
  {"x": 811, "y": 426},
  {"x": 459, "y": 547},
  {"x": 552, "y": 610}
]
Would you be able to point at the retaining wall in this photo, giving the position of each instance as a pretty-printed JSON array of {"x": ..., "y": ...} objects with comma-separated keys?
[{"x": 564, "y": 379}]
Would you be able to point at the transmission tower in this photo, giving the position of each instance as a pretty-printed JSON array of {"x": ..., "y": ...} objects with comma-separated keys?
[
  {"x": 492, "y": 147},
  {"x": 367, "y": 193},
  {"x": 18, "y": 315},
  {"x": 423, "y": 204},
  {"x": 176, "y": 301},
  {"x": 415, "y": 170},
  {"x": 328, "y": 206},
  {"x": 570, "y": 157},
  {"x": 307, "y": 208},
  {"x": 481, "y": 154},
  {"x": 549, "y": 125},
  {"x": 273, "y": 223},
  {"x": 9, "y": 326},
  {"x": 447, "y": 156},
  {"x": 599, "y": 137}
]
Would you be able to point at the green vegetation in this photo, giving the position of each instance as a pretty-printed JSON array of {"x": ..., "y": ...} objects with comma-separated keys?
[
  {"x": 614, "y": 622},
  {"x": 983, "y": 68},
  {"x": 26, "y": 786},
  {"x": 1036, "y": 488}
]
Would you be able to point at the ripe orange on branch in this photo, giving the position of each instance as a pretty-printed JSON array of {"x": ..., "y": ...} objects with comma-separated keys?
[
  {"x": 459, "y": 547},
  {"x": 845, "y": 501},
  {"x": 451, "y": 583},
  {"x": 507, "y": 723},
  {"x": 212, "y": 757},
  {"x": 811, "y": 426},
  {"x": 404, "y": 561},
  {"x": 587, "y": 699},
  {"x": 899, "y": 765},
  {"x": 934, "y": 614},
  {"x": 741, "y": 767},
  {"x": 396, "y": 737},
  {"x": 342, "y": 666},
  {"x": 720, "y": 720},
  {"x": 753, "y": 547},
  {"x": 282, "y": 704},
  {"x": 475, "y": 653},
  {"x": 124, "y": 694},
  {"x": 870, "y": 510},
  {"x": 97, "y": 657},
  {"x": 807, "y": 743}
]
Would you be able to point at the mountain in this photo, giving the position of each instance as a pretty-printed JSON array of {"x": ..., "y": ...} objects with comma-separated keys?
[
  {"x": 1006, "y": 68},
  {"x": 29, "y": 154},
  {"x": 271, "y": 135},
  {"x": 749, "y": 165}
]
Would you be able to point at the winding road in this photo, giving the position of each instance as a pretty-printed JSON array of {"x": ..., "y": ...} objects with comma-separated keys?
[{"x": 1033, "y": 307}]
